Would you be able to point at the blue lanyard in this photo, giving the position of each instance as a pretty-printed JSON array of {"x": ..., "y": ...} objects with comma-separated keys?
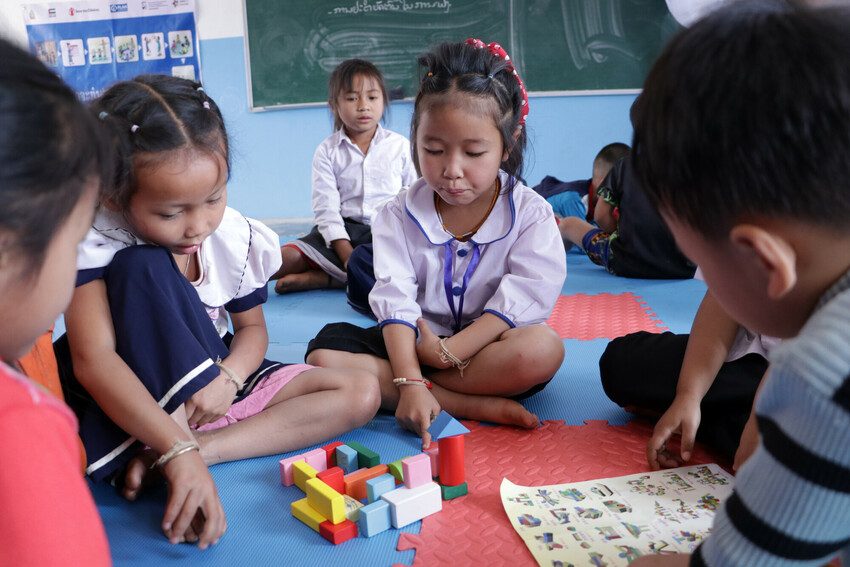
[{"x": 448, "y": 273}]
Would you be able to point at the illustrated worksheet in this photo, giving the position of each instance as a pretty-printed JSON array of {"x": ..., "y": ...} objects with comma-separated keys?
[{"x": 613, "y": 521}]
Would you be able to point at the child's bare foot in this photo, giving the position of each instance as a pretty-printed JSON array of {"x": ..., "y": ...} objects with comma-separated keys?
[
  {"x": 139, "y": 474},
  {"x": 486, "y": 408},
  {"x": 304, "y": 281}
]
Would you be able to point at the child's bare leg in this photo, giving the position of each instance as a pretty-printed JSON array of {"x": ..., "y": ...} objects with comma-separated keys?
[
  {"x": 573, "y": 229},
  {"x": 293, "y": 262},
  {"x": 316, "y": 405},
  {"x": 305, "y": 281},
  {"x": 478, "y": 407},
  {"x": 521, "y": 359}
]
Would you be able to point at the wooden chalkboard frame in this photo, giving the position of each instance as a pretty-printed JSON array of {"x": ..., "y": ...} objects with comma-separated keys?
[{"x": 511, "y": 41}]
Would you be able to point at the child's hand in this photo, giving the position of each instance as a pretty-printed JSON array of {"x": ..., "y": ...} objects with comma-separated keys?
[
  {"x": 210, "y": 402},
  {"x": 682, "y": 417},
  {"x": 428, "y": 346},
  {"x": 748, "y": 443},
  {"x": 417, "y": 408},
  {"x": 193, "y": 510}
]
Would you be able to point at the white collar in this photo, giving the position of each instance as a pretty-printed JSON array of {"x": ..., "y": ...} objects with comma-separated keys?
[
  {"x": 419, "y": 206},
  {"x": 341, "y": 137}
]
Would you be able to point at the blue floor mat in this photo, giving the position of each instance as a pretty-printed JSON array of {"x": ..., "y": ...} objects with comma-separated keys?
[{"x": 261, "y": 530}]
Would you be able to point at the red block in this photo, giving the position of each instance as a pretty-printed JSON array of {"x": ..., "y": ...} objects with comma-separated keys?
[
  {"x": 452, "y": 469},
  {"x": 336, "y": 534},
  {"x": 331, "y": 453},
  {"x": 333, "y": 477}
]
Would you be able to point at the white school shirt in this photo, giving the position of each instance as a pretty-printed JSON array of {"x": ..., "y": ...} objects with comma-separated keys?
[
  {"x": 513, "y": 267},
  {"x": 348, "y": 184},
  {"x": 746, "y": 341},
  {"x": 235, "y": 260}
]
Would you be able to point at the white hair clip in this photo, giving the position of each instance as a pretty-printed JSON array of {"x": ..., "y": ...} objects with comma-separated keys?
[
  {"x": 103, "y": 114},
  {"x": 207, "y": 104},
  {"x": 134, "y": 128}
]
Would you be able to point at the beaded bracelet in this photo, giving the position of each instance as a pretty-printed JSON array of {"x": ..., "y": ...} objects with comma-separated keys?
[
  {"x": 413, "y": 381},
  {"x": 229, "y": 375},
  {"x": 176, "y": 450},
  {"x": 447, "y": 357}
]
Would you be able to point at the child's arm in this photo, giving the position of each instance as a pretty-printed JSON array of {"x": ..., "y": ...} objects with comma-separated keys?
[
  {"x": 343, "y": 249},
  {"x": 121, "y": 395},
  {"x": 712, "y": 333},
  {"x": 249, "y": 345},
  {"x": 603, "y": 216},
  {"x": 326, "y": 199},
  {"x": 464, "y": 345},
  {"x": 750, "y": 435},
  {"x": 416, "y": 405}
]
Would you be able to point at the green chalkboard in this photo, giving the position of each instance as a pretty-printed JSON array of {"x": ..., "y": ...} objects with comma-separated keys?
[{"x": 557, "y": 45}]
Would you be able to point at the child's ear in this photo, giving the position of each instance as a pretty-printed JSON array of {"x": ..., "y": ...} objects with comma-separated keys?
[
  {"x": 515, "y": 137},
  {"x": 773, "y": 252}
]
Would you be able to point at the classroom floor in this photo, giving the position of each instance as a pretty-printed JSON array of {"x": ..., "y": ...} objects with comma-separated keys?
[{"x": 261, "y": 530}]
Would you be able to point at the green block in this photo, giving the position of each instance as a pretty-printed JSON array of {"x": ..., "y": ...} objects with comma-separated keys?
[
  {"x": 451, "y": 492},
  {"x": 366, "y": 458},
  {"x": 396, "y": 471}
]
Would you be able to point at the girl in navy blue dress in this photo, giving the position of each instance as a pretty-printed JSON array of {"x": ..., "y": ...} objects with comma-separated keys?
[{"x": 164, "y": 266}]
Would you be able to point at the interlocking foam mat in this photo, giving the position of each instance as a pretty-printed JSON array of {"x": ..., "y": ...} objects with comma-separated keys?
[
  {"x": 605, "y": 315},
  {"x": 261, "y": 530},
  {"x": 473, "y": 529}
]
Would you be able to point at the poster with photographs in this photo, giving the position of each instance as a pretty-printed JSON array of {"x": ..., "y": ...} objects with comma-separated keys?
[
  {"x": 93, "y": 43},
  {"x": 613, "y": 521}
]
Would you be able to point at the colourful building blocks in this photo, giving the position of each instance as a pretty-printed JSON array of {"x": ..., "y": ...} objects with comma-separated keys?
[
  {"x": 317, "y": 458},
  {"x": 379, "y": 485},
  {"x": 325, "y": 500},
  {"x": 451, "y": 492},
  {"x": 434, "y": 453},
  {"x": 446, "y": 426},
  {"x": 396, "y": 471},
  {"x": 408, "y": 505},
  {"x": 346, "y": 459},
  {"x": 417, "y": 470},
  {"x": 338, "y": 533},
  {"x": 452, "y": 461},
  {"x": 333, "y": 478},
  {"x": 301, "y": 472},
  {"x": 355, "y": 483},
  {"x": 352, "y": 508},
  {"x": 286, "y": 469},
  {"x": 374, "y": 518},
  {"x": 330, "y": 453},
  {"x": 366, "y": 458},
  {"x": 302, "y": 510}
]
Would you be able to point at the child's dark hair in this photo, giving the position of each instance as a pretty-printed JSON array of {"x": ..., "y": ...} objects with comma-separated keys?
[
  {"x": 612, "y": 153},
  {"x": 747, "y": 115},
  {"x": 342, "y": 80},
  {"x": 155, "y": 114},
  {"x": 51, "y": 149},
  {"x": 464, "y": 68}
]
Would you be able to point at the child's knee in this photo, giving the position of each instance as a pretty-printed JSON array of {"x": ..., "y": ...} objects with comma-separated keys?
[
  {"x": 611, "y": 370},
  {"x": 140, "y": 263},
  {"x": 539, "y": 356},
  {"x": 362, "y": 392},
  {"x": 322, "y": 357}
]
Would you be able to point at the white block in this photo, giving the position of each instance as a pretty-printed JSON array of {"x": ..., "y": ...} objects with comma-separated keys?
[{"x": 410, "y": 504}]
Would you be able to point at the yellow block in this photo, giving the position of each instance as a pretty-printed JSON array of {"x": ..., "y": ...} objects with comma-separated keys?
[
  {"x": 302, "y": 472},
  {"x": 325, "y": 500},
  {"x": 302, "y": 510},
  {"x": 352, "y": 508}
]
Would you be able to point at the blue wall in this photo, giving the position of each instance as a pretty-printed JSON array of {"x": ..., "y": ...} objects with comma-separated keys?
[{"x": 272, "y": 150}]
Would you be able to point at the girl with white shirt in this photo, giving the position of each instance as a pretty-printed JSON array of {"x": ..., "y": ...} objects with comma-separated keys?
[
  {"x": 356, "y": 169},
  {"x": 156, "y": 378},
  {"x": 468, "y": 260}
]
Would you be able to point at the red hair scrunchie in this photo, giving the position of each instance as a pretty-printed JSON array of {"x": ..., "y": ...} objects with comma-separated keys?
[{"x": 499, "y": 51}]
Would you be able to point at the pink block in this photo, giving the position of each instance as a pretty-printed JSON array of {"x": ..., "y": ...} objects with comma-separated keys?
[
  {"x": 416, "y": 470},
  {"x": 434, "y": 452},
  {"x": 286, "y": 469},
  {"x": 317, "y": 458}
]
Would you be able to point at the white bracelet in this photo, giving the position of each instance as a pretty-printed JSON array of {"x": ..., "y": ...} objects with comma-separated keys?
[
  {"x": 176, "y": 450},
  {"x": 447, "y": 357},
  {"x": 229, "y": 375}
]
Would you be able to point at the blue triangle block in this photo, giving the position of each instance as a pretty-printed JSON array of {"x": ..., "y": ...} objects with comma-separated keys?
[{"x": 446, "y": 426}]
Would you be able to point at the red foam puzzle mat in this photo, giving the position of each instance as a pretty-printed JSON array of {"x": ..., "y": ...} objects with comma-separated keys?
[
  {"x": 602, "y": 316},
  {"x": 474, "y": 530}
]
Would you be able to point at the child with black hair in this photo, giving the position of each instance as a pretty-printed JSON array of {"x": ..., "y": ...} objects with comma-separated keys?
[
  {"x": 468, "y": 260},
  {"x": 164, "y": 266},
  {"x": 356, "y": 169},
  {"x": 762, "y": 205},
  {"x": 628, "y": 239},
  {"x": 578, "y": 198},
  {"x": 48, "y": 515}
]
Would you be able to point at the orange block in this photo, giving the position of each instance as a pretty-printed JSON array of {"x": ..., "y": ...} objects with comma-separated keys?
[{"x": 355, "y": 483}]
